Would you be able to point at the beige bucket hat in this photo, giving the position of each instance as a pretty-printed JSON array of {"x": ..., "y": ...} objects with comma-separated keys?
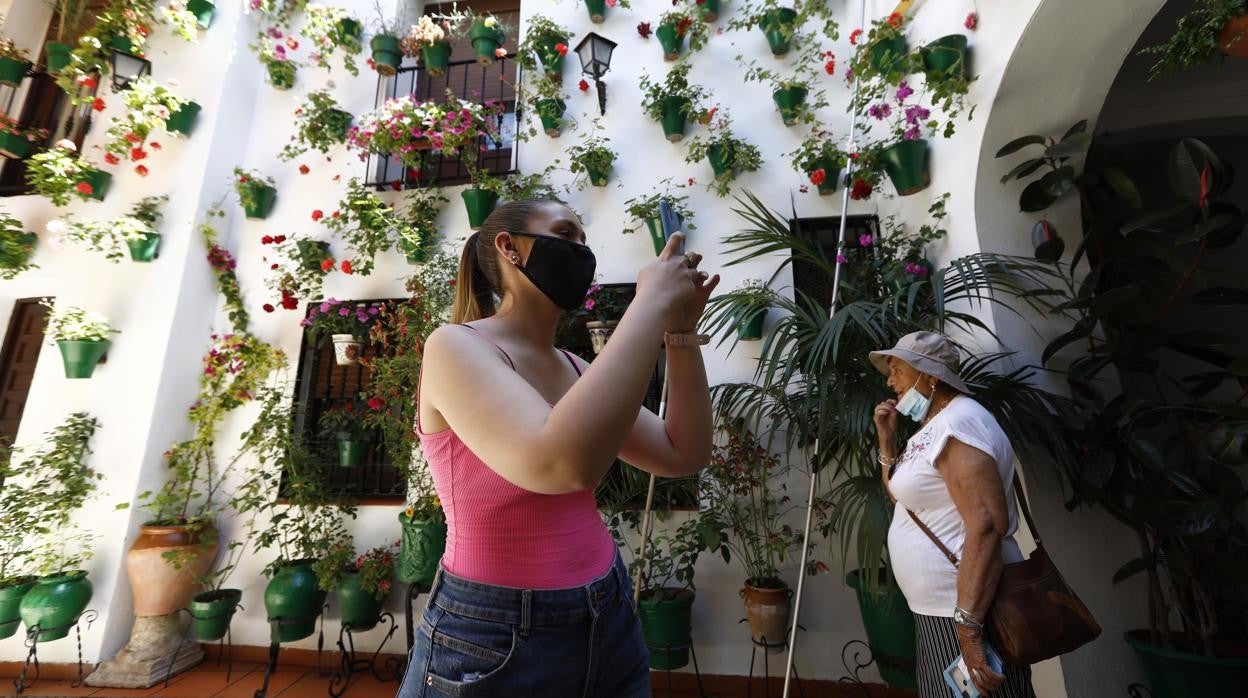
[{"x": 927, "y": 352}]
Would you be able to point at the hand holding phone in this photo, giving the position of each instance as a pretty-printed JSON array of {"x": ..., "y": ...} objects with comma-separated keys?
[{"x": 671, "y": 222}]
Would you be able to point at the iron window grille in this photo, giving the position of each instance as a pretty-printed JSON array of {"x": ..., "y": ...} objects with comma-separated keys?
[{"x": 809, "y": 279}]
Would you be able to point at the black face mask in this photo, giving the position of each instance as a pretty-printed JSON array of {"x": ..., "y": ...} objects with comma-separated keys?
[{"x": 561, "y": 269}]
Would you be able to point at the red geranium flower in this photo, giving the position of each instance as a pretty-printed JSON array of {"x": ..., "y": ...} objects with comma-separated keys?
[
  {"x": 98, "y": 104},
  {"x": 396, "y": 185},
  {"x": 861, "y": 190},
  {"x": 84, "y": 188},
  {"x": 266, "y": 240},
  {"x": 335, "y": 214},
  {"x": 304, "y": 169},
  {"x": 273, "y": 267},
  {"x": 141, "y": 170},
  {"x": 318, "y": 214},
  {"x": 137, "y": 153},
  {"x": 683, "y": 26},
  {"x": 154, "y": 145},
  {"x": 561, "y": 49},
  {"x": 972, "y": 21},
  {"x": 290, "y": 302},
  {"x": 830, "y": 67},
  {"x": 346, "y": 266},
  {"x": 818, "y": 176},
  {"x": 327, "y": 264},
  {"x": 854, "y": 36},
  {"x": 643, "y": 28},
  {"x": 895, "y": 19},
  {"x": 292, "y": 43},
  {"x": 268, "y": 307},
  {"x": 111, "y": 159},
  {"x": 88, "y": 82},
  {"x": 583, "y": 85},
  {"x": 279, "y": 239},
  {"x": 375, "y": 403},
  {"x": 134, "y": 138}
]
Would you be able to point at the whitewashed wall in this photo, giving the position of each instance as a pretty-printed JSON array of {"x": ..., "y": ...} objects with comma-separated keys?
[{"x": 166, "y": 310}]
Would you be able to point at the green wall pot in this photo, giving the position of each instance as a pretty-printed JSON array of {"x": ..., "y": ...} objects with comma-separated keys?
[
  {"x": 421, "y": 551},
  {"x": 945, "y": 56},
  {"x": 790, "y": 100},
  {"x": 146, "y": 248},
  {"x": 710, "y": 10},
  {"x": 551, "y": 111},
  {"x": 832, "y": 176},
  {"x": 485, "y": 41},
  {"x": 720, "y": 157},
  {"x": 121, "y": 43},
  {"x": 13, "y": 146},
  {"x": 666, "y": 625},
  {"x": 348, "y": 29},
  {"x": 480, "y": 204},
  {"x": 670, "y": 40},
  {"x": 750, "y": 328},
  {"x": 211, "y": 612},
  {"x": 598, "y": 176},
  {"x": 10, "y": 599},
  {"x": 436, "y": 58},
  {"x": 265, "y": 198},
  {"x": 597, "y": 10},
  {"x": 56, "y": 54},
  {"x": 386, "y": 54},
  {"x": 777, "y": 26},
  {"x": 351, "y": 452},
  {"x": 183, "y": 119},
  {"x": 1173, "y": 673},
  {"x": 674, "y": 118},
  {"x": 552, "y": 62},
  {"x": 905, "y": 162},
  {"x": 885, "y": 54},
  {"x": 12, "y": 71},
  {"x": 99, "y": 181},
  {"x": 203, "y": 11},
  {"x": 656, "y": 235},
  {"x": 359, "y": 609},
  {"x": 55, "y": 603},
  {"x": 890, "y": 630},
  {"x": 293, "y": 597},
  {"x": 80, "y": 356}
]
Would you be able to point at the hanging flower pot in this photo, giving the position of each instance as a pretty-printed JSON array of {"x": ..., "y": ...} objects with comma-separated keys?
[
  {"x": 14, "y": 146},
  {"x": 351, "y": 451},
  {"x": 656, "y": 235},
  {"x": 203, "y": 11},
  {"x": 145, "y": 248},
  {"x": 360, "y": 610},
  {"x": 945, "y": 56},
  {"x": 890, "y": 630},
  {"x": 346, "y": 349},
  {"x": 480, "y": 204},
  {"x": 886, "y": 53},
  {"x": 183, "y": 119},
  {"x": 831, "y": 176},
  {"x": 720, "y": 157},
  {"x": 349, "y": 29},
  {"x": 312, "y": 253},
  {"x": 552, "y": 60},
  {"x": 598, "y": 175},
  {"x": 13, "y": 71},
  {"x": 750, "y": 327},
  {"x": 767, "y": 609},
  {"x": 10, "y": 599},
  {"x": 158, "y": 587},
  {"x": 282, "y": 74},
  {"x": 666, "y": 625},
  {"x": 80, "y": 356},
  {"x": 262, "y": 199},
  {"x": 121, "y": 43},
  {"x": 600, "y": 332},
  {"x": 597, "y": 10},
  {"x": 485, "y": 41},
  {"x": 790, "y": 100},
  {"x": 670, "y": 39},
  {"x": 551, "y": 113},
  {"x": 436, "y": 58},
  {"x": 55, "y": 602},
  {"x": 421, "y": 551},
  {"x": 293, "y": 598},
  {"x": 99, "y": 181},
  {"x": 1233, "y": 39},
  {"x": 777, "y": 26},
  {"x": 56, "y": 55},
  {"x": 211, "y": 612},
  {"x": 905, "y": 162},
  {"x": 416, "y": 252},
  {"x": 710, "y": 12},
  {"x": 386, "y": 54},
  {"x": 674, "y": 117}
]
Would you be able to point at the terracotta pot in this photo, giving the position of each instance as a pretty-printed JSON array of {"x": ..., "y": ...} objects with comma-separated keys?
[
  {"x": 158, "y": 587},
  {"x": 768, "y": 612},
  {"x": 1233, "y": 39}
]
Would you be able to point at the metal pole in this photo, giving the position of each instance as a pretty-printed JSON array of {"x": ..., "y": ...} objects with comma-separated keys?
[{"x": 645, "y": 520}]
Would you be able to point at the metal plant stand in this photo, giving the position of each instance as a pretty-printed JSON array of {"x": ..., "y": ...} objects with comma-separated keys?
[
  {"x": 765, "y": 645},
  {"x": 275, "y": 646},
  {"x": 32, "y": 657},
  {"x": 349, "y": 664},
  {"x": 226, "y": 642},
  {"x": 696, "y": 672}
]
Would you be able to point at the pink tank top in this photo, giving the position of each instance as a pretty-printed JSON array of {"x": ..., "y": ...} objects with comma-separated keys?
[{"x": 504, "y": 535}]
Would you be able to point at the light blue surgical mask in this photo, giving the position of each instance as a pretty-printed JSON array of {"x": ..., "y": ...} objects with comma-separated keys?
[{"x": 914, "y": 404}]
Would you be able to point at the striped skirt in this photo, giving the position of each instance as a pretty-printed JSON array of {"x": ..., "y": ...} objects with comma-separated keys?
[{"x": 937, "y": 643}]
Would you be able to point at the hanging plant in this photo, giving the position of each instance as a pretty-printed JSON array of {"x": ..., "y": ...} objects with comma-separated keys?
[
  {"x": 593, "y": 158},
  {"x": 820, "y": 161},
  {"x": 1205, "y": 35},
  {"x": 329, "y": 29},
  {"x": 403, "y": 127},
  {"x": 282, "y": 70},
  {"x": 297, "y": 269},
  {"x": 882, "y": 59},
  {"x": 545, "y": 42},
  {"x": 83, "y": 337},
  {"x": 672, "y": 101},
  {"x": 320, "y": 124},
  {"x": 368, "y": 225},
  {"x": 16, "y": 140},
  {"x": 482, "y": 196},
  {"x": 14, "y": 63},
  {"x": 17, "y": 247},
  {"x": 488, "y": 34},
  {"x": 675, "y": 26},
  {"x": 728, "y": 155},
  {"x": 428, "y": 41},
  {"x": 598, "y": 8},
  {"x": 547, "y": 100},
  {"x": 136, "y": 232},
  {"x": 122, "y": 25},
  {"x": 644, "y": 210},
  {"x": 333, "y": 317},
  {"x": 793, "y": 93},
  {"x": 187, "y": 17},
  {"x": 58, "y": 174},
  {"x": 256, "y": 193},
  {"x": 148, "y": 106},
  {"x": 418, "y": 236}
]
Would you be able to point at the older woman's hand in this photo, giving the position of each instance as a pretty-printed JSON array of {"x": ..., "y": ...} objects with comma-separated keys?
[
  {"x": 971, "y": 642},
  {"x": 886, "y": 424}
]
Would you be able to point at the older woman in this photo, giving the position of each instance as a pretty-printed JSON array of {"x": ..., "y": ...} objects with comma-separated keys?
[{"x": 951, "y": 479}]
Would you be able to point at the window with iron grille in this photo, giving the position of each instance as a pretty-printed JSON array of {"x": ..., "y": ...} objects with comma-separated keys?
[{"x": 809, "y": 279}]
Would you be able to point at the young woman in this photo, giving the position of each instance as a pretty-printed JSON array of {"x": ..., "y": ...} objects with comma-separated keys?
[{"x": 532, "y": 598}]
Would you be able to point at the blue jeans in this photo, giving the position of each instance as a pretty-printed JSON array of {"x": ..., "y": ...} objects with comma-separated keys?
[{"x": 482, "y": 640}]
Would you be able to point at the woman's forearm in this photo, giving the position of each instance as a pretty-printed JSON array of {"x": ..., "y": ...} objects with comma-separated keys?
[
  {"x": 979, "y": 570},
  {"x": 688, "y": 420}
]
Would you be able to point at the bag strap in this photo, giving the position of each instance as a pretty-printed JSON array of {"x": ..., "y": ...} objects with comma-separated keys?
[
  {"x": 1022, "y": 501},
  {"x": 923, "y": 527}
]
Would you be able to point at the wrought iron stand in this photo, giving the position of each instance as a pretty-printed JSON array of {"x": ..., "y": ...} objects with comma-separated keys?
[
  {"x": 227, "y": 642},
  {"x": 696, "y": 672},
  {"x": 349, "y": 664},
  {"x": 763, "y": 643},
  {"x": 275, "y": 646},
  {"x": 32, "y": 657}
]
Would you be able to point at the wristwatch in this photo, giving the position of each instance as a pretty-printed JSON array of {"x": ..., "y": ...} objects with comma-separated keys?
[
  {"x": 963, "y": 618},
  {"x": 685, "y": 339}
]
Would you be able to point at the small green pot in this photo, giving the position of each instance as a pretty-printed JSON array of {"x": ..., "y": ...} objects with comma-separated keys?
[
  {"x": 832, "y": 176},
  {"x": 348, "y": 29},
  {"x": 485, "y": 41},
  {"x": 551, "y": 111},
  {"x": 263, "y": 201},
  {"x": 666, "y": 625},
  {"x": 436, "y": 58},
  {"x": 597, "y": 10},
  {"x": 905, "y": 162},
  {"x": 345, "y": 118},
  {"x": 99, "y": 181},
  {"x": 945, "y": 56},
  {"x": 204, "y": 10},
  {"x": 710, "y": 10},
  {"x": 121, "y": 43},
  {"x": 720, "y": 157},
  {"x": 777, "y": 26},
  {"x": 886, "y": 54},
  {"x": 1173, "y": 673},
  {"x": 13, "y": 71},
  {"x": 351, "y": 452},
  {"x": 56, "y": 54},
  {"x": 750, "y": 328},
  {"x": 211, "y": 612},
  {"x": 598, "y": 176},
  {"x": 890, "y": 630},
  {"x": 183, "y": 119},
  {"x": 10, "y": 600},
  {"x": 360, "y": 610},
  {"x": 480, "y": 204},
  {"x": 656, "y": 234},
  {"x": 13, "y": 146},
  {"x": 312, "y": 253},
  {"x": 423, "y": 545},
  {"x": 670, "y": 40},
  {"x": 294, "y": 597},
  {"x": 386, "y": 54},
  {"x": 790, "y": 100},
  {"x": 674, "y": 118},
  {"x": 55, "y": 603},
  {"x": 146, "y": 248},
  {"x": 552, "y": 62},
  {"x": 81, "y": 356},
  {"x": 282, "y": 74}
]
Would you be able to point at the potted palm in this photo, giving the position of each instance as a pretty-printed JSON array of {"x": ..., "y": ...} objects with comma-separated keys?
[
  {"x": 602, "y": 309},
  {"x": 58, "y": 173},
  {"x": 347, "y": 323},
  {"x": 677, "y": 25},
  {"x": 428, "y": 40},
  {"x": 593, "y": 158},
  {"x": 16, "y": 141},
  {"x": 256, "y": 193},
  {"x": 137, "y": 232},
  {"x": 329, "y": 29},
  {"x": 320, "y": 124},
  {"x": 546, "y": 42},
  {"x": 1210, "y": 32},
  {"x": 672, "y": 101},
  {"x": 728, "y": 155},
  {"x": 645, "y": 210},
  {"x": 17, "y": 247},
  {"x": 81, "y": 335},
  {"x": 820, "y": 161},
  {"x": 344, "y": 423},
  {"x": 14, "y": 63}
]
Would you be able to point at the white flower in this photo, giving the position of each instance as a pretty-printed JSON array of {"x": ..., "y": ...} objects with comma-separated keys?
[
  {"x": 491, "y": 22},
  {"x": 67, "y": 145}
]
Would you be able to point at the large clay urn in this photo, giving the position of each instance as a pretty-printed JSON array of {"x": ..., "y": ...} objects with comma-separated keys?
[
  {"x": 160, "y": 588},
  {"x": 1233, "y": 39},
  {"x": 767, "y": 609}
]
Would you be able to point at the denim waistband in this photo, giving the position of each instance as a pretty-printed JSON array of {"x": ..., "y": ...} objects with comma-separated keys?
[{"x": 528, "y": 607}]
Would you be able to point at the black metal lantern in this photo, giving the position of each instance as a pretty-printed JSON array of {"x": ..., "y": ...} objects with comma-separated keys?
[
  {"x": 127, "y": 68},
  {"x": 595, "y": 54}
]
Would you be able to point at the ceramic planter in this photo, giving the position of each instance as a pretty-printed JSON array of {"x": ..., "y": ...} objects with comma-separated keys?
[
  {"x": 789, "y": 101},
  {"x": 552, "y": 61},
  {"x": 13, "y": 71},
  {"x": 905, "y": 162},
  {"x": 480, "y": 204},
  {"x": 56, "y": 55},
  {"x": 386, "y": 54},
  {"x": 666, "y": 625},
  {"x": 99, "y": 181},
  {"x": 421, "y": 551},
  {"x": 831, "y": 175},
  {"x": 551, "y": 113},
  {"x": 263, "y": 199},
  {"x": 54, "y": 604},
  {"x": 211, "y": 612},
  {"x": 597, "y": 10},
  {"x": 346, "y": 349},
  {"x": 293, "y": 598},
  {"x": 145, "y": 248},
  {"x": 436, "y": 58},
  {"x": 600, "y": 332},
  {"x": 80, "y": 356},
  {"x": 887, "y": 53},
  {"x": 360, "y": 610},
  {"x": 598, "y": 176},
  {"x": 777, "y": 26},
  {"x": 750, "y": 327},
  {"x": 485, "y": 41},
  {"x": 720, "y": 157},
  {"x": 710, "y": 10},
  {"x": 768, "y": 613},
  {"x": 1174, "y": 673},
  {"x": 945, "y": 56},
  {"x": 183, "y": 119},
  {"x": 203, "y": 11},
  {"x": 890, "y": 630},
  {"x": 282, "y": 74},
  {"x": 10, "y": 599},
  {"x": 14, "y": 146},
  {"x": 1233, "y": 39},
  {"x": 351, "y": 452},
  {"x": 670, "y": 40},
  {"x": 674, "y": 118},
  {"x": 157, "y": 586}
]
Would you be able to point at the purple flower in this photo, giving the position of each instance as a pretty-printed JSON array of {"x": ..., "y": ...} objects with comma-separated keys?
[
  {"x": 841, "y": 259},
  {"x": 916, "y": 114},
  {"x": 903, "y": 91},
  {"x": 865, "y": 240},
  {"x": 274, "y": 32},
  {"x": 589, "y": 303},
  {"x": 374, "y": 310},
  {"x": 880, "y": 111},
  {"x": 305, "y": 322},
  {"x": 912, "y": 133},
  {"x": 325, "y": 307},
  {"x": 344, "y": 311}
]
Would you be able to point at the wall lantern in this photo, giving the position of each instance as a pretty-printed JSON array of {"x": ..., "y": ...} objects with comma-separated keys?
[
  {"x": 127, "y": 68},
  {"x": 595, "y": 54}
]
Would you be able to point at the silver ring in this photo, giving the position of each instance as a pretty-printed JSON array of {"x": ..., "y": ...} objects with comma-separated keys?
[{"x": 689, "y": 259}]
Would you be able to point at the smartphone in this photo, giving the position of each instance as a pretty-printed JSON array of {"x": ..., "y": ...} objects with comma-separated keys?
[
  {"x": 671, "y": 222},
  {"x": 959, "y": 679}
]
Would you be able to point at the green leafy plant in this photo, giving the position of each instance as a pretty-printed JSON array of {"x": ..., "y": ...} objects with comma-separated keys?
[
  {"x": 247, "y": 185},
  {"x": 739, "y": 155},
  {"x": 13, "y": 127},
  {"x": 223, "y": 266},
  {"x": 419, "y": 233},
  {"x": 592, "y": 154},
  {"x": 404, "y": 127},
  {"x": 671, "y": 553},
  {"x": 604, "y": 303},
  {"x": 110, "y": 237},
  {"x": 425, "y": 33},
  {"x": 646, "y": 207},
  {"x": 535, "y": 185},
  {"x": 803, "y": 78},
  {"x": 542, "y": 40},
  {"x": 129, "y": 21},
  {"x": 328, "y": 29},
  {"x": 819, "y": 151},
  {"x": 320, "y": 124},
  {"x": 876, "y": 70},
  {"x": 75, "y": 324},
  {"x": 1196, "y": 39},
  {"x": 370, "y": 226},
  {"x": 297, "y": 269},
  {"x": 375, "y": 567},
  {"x": 58, "y": 173},
  {"x": 17, "y": 247},
  {"x": 546, "y": 98},
  {"x": 810, "y": 13},
  {"x": 280, "y": 67},
  {"x": 675, "y": 85},
  {"x": 148, "y": 104},
  {"x": 1060, "y": 179},
  {"x": 344, "y": 421},
  {"x": 687, "y": 20},
  {"x": 183, "y": 22}
]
